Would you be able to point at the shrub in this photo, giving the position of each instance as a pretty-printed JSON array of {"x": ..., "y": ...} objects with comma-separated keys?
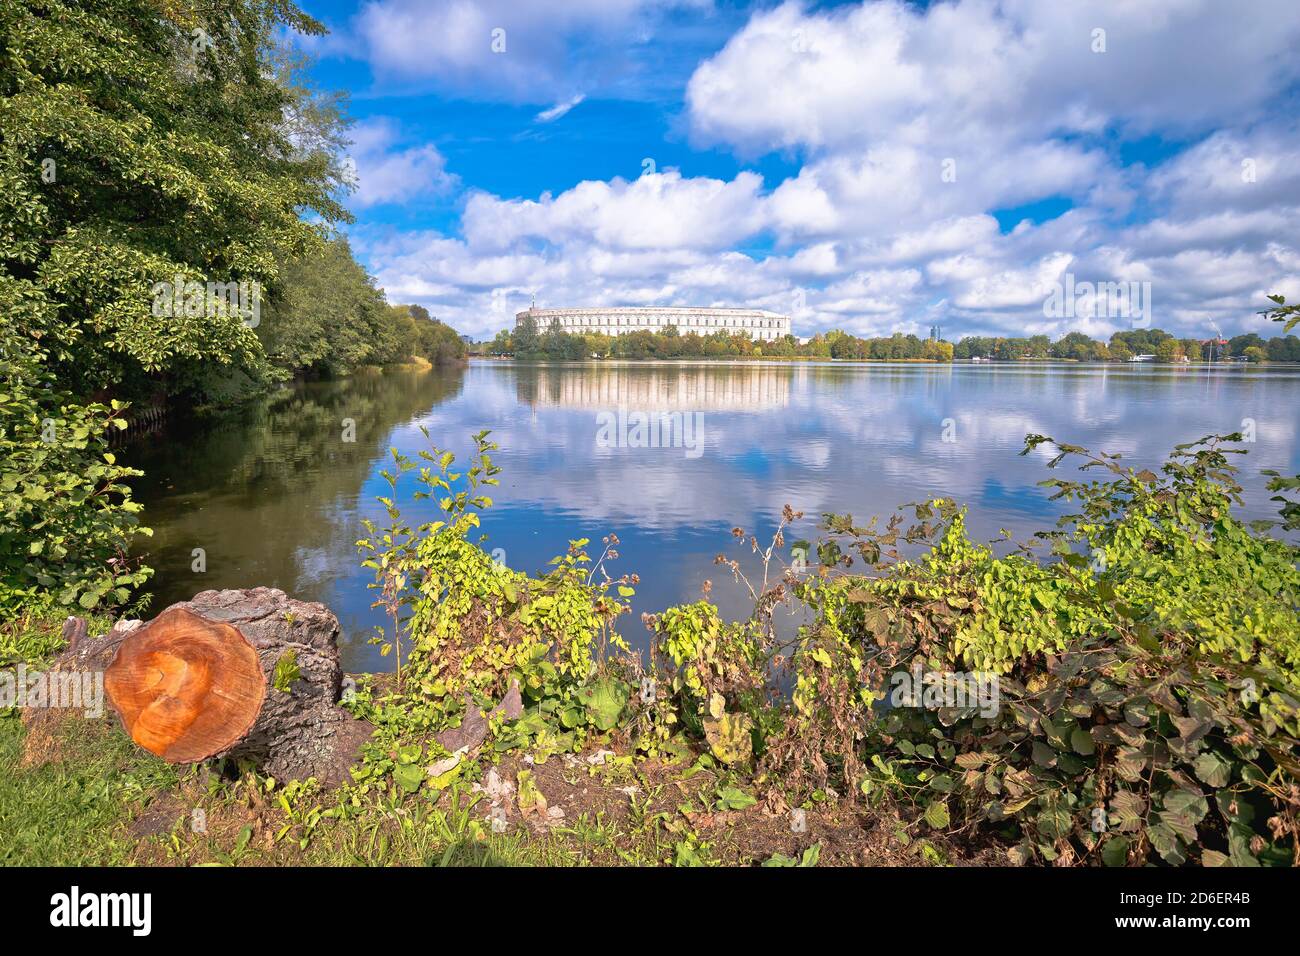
[
  {"x": 66, "y": 514},
  {"x": 1147, "y": 672}
]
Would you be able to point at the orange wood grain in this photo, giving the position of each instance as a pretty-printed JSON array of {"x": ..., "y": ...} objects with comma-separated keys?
[{"x": 186, "y": 688}]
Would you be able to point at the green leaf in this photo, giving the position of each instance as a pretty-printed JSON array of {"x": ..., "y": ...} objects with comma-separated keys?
[
  {"x": 936, "y": 814},
  {"x": 1114, "y": 852},
  {"x": 409, "y": 776},
  {"x": 733, "y": 798},
  {"x": 604, "y": 700},
  {"x": 1213, "y": 769}
]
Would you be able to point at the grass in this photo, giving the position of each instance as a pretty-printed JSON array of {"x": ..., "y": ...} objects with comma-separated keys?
[
  {"x": 103, "y": 801},
  {"x": 75, "y": 811}
]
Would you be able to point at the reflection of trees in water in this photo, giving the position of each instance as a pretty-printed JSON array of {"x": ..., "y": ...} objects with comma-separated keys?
[
  {"x": 269, "y": 492},
  {"x": 734, "y": 387}
]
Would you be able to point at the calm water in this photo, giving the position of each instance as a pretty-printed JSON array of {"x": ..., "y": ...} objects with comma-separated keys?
[{"x": 275, "y": 496}]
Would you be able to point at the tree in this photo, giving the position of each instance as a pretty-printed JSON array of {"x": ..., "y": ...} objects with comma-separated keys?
[
  {"x": 1238, "y": 344},
  {"x": 156, "y": 162},
  {"x": 1169, "y": 351},
  {"x": 526, "y": 339},
  {"x": 145, "y": 142},
  {"x": 1284, "y": 348},
  {"x": 329, "y": 320},
  {"x": 1074, "y": 345}
]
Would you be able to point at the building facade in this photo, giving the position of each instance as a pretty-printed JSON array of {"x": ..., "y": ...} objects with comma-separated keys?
[{"x": 756, "y": 323}]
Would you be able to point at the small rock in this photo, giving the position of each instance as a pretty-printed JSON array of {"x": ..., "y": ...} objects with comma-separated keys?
[
  {"x": 445, "y": 764},
  {"x": 496, "y": 788}
]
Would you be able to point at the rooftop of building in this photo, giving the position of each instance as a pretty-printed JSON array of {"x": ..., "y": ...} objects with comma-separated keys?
[{"x": 652, "y": 309}]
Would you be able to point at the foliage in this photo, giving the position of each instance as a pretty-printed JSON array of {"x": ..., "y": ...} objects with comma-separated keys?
[
  {"x": 1147, "y": 674},
  {"x": 526, "y": 341},
  {"x": 472, "y": 628},
  {"x": 66, "y": 514},
  {"x": 808, "y": 858},
  {"x": 428, "y": 338},
  {"x": 143, "y": 141},
  {"x": 1288, "y": 315},
  {"x": 330, "y": 320}
]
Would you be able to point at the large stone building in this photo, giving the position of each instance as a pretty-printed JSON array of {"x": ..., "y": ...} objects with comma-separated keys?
[{"x": 756, "y": 323}]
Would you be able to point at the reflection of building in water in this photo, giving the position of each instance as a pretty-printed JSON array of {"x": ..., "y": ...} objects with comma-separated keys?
[
  {"x": 756, "y": 323},
  {"x": 703, "y": 387}
]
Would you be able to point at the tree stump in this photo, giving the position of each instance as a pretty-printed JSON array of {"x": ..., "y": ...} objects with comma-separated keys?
[
  {"x": 200, "y": 681},
  {"x": 185, "y": 687}
]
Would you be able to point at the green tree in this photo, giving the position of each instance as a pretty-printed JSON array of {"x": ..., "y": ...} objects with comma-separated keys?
[
  {"x": 144, "y": 141},
  {"x": 66, "y": 514},
  {"x": 1169, "y": 351},
  {"x": 329, "y": 318},
  {"x": 526, "y": 340}
]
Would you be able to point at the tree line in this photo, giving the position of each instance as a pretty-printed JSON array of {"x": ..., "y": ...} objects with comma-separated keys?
[
  {"x": 528, "y": 342},
  {"x": 170, "y": 210},
  {"x": 1123, "y": 346}
]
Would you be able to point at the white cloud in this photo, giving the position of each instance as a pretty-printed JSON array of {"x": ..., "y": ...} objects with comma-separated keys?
[
  {"x": 936, "y": 76},
  {"x": 909, "y": 127},
  {"x": 518, "y": 49},
  {"x": 656, "y": 211},
  {"x": 386, "y": 172},
  {"x": 559, "y": 109}
]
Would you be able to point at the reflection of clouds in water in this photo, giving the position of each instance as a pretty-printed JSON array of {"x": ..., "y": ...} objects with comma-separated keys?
[
  {"x": 842, "y": 438},
  {"x": 850, "y": 438}
]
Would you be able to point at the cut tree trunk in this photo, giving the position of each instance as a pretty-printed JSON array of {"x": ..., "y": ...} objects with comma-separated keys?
[
  {"x": 200, "y": 681},
  {"x": 186, "y": 688}
]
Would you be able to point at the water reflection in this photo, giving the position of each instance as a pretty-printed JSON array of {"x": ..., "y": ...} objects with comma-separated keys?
[
  {"x": 276, "y": 497},
  {"x": 652, "y": 388}
]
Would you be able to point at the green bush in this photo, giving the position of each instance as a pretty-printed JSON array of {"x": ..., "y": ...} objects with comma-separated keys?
[
  {"x": 66, "y": 514},
  {"x": 1147, "y": 671}
]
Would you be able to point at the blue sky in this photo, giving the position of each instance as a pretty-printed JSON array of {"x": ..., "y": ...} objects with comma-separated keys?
[{"x": 875, "y": 166}]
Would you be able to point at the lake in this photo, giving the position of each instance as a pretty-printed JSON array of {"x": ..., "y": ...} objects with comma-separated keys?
[{"x": 275, "y": 494}]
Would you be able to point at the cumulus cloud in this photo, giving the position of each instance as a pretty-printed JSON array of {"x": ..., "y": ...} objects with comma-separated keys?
[
  {"x": 924, "y": 140},
  {"x": 519, "y": 49},
  {"x": 876, "y": 70},
  {"x": 385, "y": 171},
  {"x": 656, "y": 211}
]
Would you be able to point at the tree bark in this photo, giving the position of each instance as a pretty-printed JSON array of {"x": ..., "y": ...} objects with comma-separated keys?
[{"x": 199, "y": 681}]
